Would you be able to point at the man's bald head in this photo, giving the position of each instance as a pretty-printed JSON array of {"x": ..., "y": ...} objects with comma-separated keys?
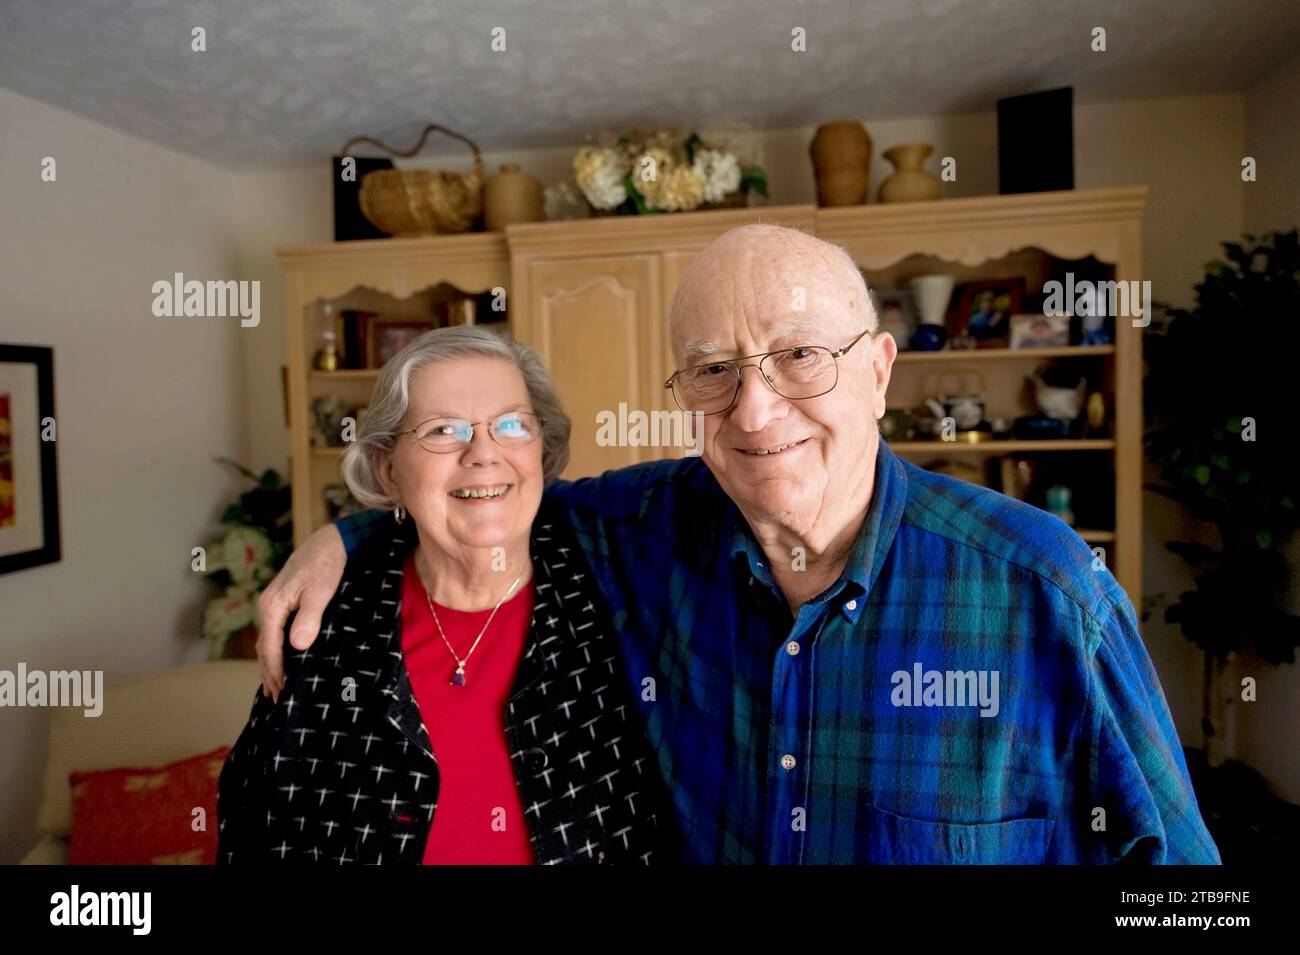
[{"x": 790, "y": 278}]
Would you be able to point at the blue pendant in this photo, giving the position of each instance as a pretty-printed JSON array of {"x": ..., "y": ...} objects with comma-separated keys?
[{"x": 458, "y": 678}]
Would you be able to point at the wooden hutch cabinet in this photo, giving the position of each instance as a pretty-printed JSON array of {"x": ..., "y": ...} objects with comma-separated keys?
[{"x": 592, "y": 297}]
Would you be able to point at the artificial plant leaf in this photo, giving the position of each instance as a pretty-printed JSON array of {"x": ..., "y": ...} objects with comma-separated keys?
[{"x": 246, "y": 554}]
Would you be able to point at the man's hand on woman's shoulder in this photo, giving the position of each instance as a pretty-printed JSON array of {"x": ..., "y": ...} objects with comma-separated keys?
[{"x": 306, "y": 584}]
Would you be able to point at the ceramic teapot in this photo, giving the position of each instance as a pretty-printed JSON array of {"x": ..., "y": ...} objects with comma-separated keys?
[{"x": 961, "y": 397}]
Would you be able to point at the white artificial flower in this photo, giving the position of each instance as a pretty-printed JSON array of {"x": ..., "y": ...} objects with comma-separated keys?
[
  {"x": 719, "y": 171},
  {"x": 599, "y": 174}
]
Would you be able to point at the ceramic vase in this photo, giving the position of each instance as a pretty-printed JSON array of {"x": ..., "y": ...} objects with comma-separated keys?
[
  {"x": 931, "y": 293},
  {"x": 841, "y": 157},
  {"x": 909, "y": 182},
  {"x": 509, "y": 197}
]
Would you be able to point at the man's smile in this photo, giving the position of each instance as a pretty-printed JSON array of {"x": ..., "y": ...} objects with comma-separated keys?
[{"x": 774, "y": 449}]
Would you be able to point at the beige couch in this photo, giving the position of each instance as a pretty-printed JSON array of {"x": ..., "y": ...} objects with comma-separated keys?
[{"x": 156, "y": 719}]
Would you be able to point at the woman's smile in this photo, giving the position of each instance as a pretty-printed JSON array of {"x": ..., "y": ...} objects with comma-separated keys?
[{"x": 481, "y": 493}]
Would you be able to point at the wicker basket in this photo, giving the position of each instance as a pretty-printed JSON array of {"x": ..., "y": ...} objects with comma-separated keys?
[{"x": 412, "y": 202}]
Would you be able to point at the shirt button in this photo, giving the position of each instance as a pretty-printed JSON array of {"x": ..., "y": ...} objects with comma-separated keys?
[
  {"x": 792, "y": 648},
  {"x": 787, "y": 762},
  {"x": 851, "y": 605}
]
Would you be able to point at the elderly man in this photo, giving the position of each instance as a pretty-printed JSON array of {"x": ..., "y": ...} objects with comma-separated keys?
[{"x": 842, "y": 657}]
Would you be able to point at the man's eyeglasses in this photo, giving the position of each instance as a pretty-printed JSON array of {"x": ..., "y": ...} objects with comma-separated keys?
[
  {"x": 514, "y": 429},
  {"x": 805, "y": 371}
]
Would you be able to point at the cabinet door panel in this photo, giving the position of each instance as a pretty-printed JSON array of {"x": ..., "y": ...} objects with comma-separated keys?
[{"x": 596, "y": 323}]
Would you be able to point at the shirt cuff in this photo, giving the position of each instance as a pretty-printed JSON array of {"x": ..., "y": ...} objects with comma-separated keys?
[{"x": 356, "y": 529}]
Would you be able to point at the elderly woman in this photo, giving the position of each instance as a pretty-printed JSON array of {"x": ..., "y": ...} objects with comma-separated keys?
[{"x": 466, "y": 702}]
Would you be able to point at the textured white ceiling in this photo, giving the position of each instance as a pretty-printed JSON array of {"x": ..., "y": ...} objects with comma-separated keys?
[{"x": 287, "y": 81}]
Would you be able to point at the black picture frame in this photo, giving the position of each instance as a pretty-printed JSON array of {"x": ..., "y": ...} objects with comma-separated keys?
[{"x": 51, "y": 549}]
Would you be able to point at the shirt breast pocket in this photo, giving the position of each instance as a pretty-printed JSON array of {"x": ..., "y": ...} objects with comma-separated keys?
[{"x": 903, "y": 840}]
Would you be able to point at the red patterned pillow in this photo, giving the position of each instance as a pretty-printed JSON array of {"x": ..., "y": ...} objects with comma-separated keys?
[{"x": 147, "y": 816}]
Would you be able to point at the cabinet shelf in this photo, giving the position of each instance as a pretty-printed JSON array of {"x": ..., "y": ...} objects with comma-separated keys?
[
  {"x": 1000, "y": 354},
  {"x": 1093, "y": 536}
]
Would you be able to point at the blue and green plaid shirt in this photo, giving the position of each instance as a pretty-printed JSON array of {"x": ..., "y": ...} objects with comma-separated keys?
[{"x": 972, "y": 689}]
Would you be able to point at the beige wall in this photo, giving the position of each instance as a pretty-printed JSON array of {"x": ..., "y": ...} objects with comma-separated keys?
[
  {"x": 1267, "y": 728},
  {"x": 1273, "y": 139},
  {"x": 143, "y": 405}
]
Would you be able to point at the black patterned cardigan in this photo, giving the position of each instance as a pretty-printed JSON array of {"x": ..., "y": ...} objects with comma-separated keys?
[{"x": 336, "y": 777}]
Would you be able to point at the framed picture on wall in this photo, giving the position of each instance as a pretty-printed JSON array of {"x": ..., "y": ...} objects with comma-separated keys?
[{"x": 29, "y": 486}]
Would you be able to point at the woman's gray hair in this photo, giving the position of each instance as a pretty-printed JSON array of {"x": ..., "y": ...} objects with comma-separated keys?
[{"x": 391, "y": 400}]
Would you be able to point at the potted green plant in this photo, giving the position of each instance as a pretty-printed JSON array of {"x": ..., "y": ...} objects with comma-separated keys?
[
  {"x": 1221, "y": 437},
  {"x": 258, "y": 541}
]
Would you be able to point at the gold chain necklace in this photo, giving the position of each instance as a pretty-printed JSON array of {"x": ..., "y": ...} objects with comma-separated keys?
[{"x": 458, "y": 678}]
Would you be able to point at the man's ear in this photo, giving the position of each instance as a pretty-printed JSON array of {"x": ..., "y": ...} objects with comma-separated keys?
[{"x": 883, "y": 352}]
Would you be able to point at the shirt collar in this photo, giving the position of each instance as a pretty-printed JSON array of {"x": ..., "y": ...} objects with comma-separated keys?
[{"x": 870, "y": 548}]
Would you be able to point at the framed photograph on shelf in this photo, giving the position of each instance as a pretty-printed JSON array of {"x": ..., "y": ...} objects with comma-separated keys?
[
  {"x": 983, "y": 311},
  {"x": 29, "y": 485},
  {"x": 1040, "y": 331},
  {"x": 385, "y": 337},
  {"x": 896, "y": 314}
]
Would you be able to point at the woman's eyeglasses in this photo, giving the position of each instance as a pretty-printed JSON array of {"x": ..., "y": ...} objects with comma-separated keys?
[{"x": 514, "y": 429}]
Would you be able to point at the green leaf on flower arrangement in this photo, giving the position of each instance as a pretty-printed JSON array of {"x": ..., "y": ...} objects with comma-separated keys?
[
  {"x": 236, "y": 513},
  {"x": 1201, "y": 474},
  {"x": 1264, "y": 539},
  {"x": 693, "y": 142},
  {"x": 754, "y": 178},
  {"x": 638, "y": 201},
  {"x": 1220, "y": 461}
]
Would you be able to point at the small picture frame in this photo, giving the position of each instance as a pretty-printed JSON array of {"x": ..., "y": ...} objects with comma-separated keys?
[
  {"x": 896, "y": 314},
  {"x": 1040, "y": 331},
  {"x": 385, "y": 337},
  {"x": 983, "y": 311}
]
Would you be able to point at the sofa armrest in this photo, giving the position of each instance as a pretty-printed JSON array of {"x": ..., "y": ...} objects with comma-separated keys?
[{"x": 51, "y": 850}]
